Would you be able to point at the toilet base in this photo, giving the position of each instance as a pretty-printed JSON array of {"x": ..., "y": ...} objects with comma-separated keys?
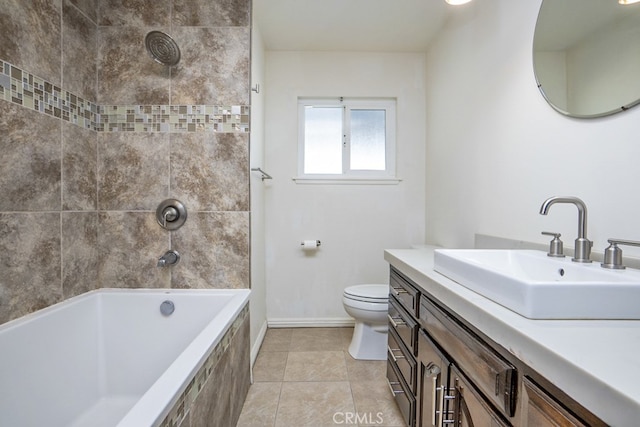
[{"x": 369, "y": 342}]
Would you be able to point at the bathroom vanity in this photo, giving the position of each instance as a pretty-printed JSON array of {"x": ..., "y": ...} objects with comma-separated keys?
[{"x": 457, "y": 358}]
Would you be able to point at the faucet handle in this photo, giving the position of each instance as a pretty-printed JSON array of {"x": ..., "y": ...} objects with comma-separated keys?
[
  {"x": 613, "y": 254},
  {"x": 555, "y": 245}
]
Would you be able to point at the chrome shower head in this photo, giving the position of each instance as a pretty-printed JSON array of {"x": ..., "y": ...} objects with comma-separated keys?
[{"x": 162, "y": 48}]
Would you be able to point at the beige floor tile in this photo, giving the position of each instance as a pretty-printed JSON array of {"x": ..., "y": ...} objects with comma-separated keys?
[
  {"x": 314, "y": 404},
  {"x": 260, "y": 407},
  {"x": 277, "y": 340},
  {"x": 375, "y": 404},
  {"x": 313, "y": 339},
  {"x": 269, "y": 366},
  {"x": 316, "y": 366},
  {"x": 365, "y": 370}
]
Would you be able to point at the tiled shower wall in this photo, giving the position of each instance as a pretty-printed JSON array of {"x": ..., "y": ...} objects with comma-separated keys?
[{"x": 77, "y": 202}]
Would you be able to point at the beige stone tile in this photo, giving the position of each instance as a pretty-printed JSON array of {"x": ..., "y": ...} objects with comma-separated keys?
[
  {"x": 365, "y": 370},
  {"x": 215, "y": 251},
  {"x": 79, "y": 38},
  {"x": 134, "y": 13},
  {"x": 207, "y": 13},
  {"x": 30, "y": 37},
  {"x": 133, "y": 170},
  {"x": 269, "y": 366},
  {"x": 208, "y": 171},
  {"x": 79, "y": 168},
  {"x": 311, "y": 339},
  {"x": 316, "y": 366},
  {"x": 214, "y": 67},
  {"x": 30, "y": 161},
  {"x": 315, "y": 404},
  {"x": 375, "y": 405},
  {"x": 130, "y": 244},
  {"x": 30, "y": 264},
  {"x": 126, "y": 72},
  {"x": 260, "y": 408},
  {"x": 276, "y": 340},
  {"x": 88, "y": 7},
  {"x": 80, "y": 258}
]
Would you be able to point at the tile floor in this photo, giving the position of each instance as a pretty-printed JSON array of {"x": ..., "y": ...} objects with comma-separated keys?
[{"x": 306, "y": 377}]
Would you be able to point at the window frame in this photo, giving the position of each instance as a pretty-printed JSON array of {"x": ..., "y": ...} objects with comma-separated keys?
[{"x": 348, "y": 175}]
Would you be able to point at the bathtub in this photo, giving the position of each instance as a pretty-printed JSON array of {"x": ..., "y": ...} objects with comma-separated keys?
[{"x": 111, "y": 358}]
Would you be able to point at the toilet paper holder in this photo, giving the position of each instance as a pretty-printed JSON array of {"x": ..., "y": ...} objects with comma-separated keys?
[{"x": 318, "y": 243}]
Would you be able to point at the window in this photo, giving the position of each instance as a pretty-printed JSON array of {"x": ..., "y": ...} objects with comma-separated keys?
[{"x": 346, "y": 139}]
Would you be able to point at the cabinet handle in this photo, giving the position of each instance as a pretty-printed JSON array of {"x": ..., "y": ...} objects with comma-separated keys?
[
  {"x": 398, "y": 291},
  {"x": 433, "y": 371},
  {"x": 448, "y": 394},
  {"x": 392, "y": 354},
  {"x": 393, "y": 391},
  {"x": 434, "y": 397},
  {"x": 396, "y": 321}
]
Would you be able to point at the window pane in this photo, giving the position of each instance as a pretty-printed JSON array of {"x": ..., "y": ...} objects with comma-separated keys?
[
  {"x": 368, "y": 139},
  {"x": 323, "y": 140}
]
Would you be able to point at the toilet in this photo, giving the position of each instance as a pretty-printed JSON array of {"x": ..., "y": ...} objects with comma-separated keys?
[{"x": 368, "y": 305}]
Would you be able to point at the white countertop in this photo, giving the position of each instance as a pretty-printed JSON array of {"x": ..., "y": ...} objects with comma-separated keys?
[{"x": 596, "y": 362}]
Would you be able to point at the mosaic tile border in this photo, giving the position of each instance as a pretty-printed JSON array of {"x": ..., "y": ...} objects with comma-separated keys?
[
  {"x": 182, "y": 406},
  {"x": 25, "y": 89}
]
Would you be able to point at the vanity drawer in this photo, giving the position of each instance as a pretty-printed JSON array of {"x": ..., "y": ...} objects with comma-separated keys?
[
  {"x": 403, "y": 325},
  {"x": 404, "y": 291},
  {"x": 399, "y": 355},
  {"x": 403, "y": 397},
  {"x": 489, "y": 371}
]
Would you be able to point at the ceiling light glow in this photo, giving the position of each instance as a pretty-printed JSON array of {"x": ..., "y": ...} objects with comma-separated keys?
[{"x": 459, "y": 2}]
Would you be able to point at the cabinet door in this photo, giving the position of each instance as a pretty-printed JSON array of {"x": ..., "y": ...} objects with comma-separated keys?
[
  {"x": 469, "y": 408},
  {"x": 543, "y": 411},
  {"x": 433, "y": 369}
]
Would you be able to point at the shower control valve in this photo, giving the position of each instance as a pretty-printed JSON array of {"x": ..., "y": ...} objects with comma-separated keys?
[{"x": 171, "y": 214}]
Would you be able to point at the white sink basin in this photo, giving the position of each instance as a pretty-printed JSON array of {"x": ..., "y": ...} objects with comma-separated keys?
[{"x": 540, "y": 287}]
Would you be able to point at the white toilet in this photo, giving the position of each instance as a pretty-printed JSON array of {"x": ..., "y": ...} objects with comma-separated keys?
[{"x": 368, "y": 305}]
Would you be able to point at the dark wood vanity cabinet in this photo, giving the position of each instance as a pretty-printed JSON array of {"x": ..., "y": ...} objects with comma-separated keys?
[
  {"x": 544, "y": 410},
  {"x": 402, "y": 347},
  {"x": 444, "y": 372}
]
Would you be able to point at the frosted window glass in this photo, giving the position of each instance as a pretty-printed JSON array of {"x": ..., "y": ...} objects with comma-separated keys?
[
  {"x": 323, "y": 140},
  {"x": 368, "y": 140}
]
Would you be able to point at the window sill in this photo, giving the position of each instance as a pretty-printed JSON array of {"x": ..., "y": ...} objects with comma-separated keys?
[{"x": 347, "y": 180}]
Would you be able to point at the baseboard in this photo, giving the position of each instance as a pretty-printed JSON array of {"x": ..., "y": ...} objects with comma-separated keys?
[{"x": 327, "y": 322}]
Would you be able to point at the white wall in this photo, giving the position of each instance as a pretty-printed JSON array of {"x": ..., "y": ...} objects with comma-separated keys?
[
  {"x": 354, "y": 222},
  {"x": 257, "y": 307},
  {"x": 496, "y": 150}
]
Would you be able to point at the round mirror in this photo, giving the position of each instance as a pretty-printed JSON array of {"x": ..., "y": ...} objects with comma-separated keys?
[{"x": 586, "y": 56}]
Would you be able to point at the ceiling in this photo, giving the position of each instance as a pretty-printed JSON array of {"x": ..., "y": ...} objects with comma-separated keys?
[{"x": 349, "y": 25}]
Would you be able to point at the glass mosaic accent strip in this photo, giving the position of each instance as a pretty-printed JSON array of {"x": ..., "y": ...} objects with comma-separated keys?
[
  {"x": 182, "y": 406},
  {"x": 173, "y": 118},
  {"x": 21, "y": 88}
]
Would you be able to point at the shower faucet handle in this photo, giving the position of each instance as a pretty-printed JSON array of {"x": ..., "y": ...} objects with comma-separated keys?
[{"x": 555, "y": 245}]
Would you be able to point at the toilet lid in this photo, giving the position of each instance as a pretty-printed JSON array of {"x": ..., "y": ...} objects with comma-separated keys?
[{"x": 372, "y": 293}]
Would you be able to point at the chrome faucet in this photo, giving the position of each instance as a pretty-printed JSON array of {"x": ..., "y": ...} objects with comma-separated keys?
[
  {"x": 582, "y": 244},
  {"x": 170, "y": 257}
]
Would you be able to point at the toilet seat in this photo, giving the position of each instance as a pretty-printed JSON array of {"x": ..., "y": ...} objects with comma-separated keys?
[{"x": 376, "y": 294}]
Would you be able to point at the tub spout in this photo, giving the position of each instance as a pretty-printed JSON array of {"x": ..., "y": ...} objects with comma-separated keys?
[{"x": 170, "y": 257}]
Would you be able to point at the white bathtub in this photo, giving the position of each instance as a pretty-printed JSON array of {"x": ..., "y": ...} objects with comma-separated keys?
[{"x": 109, "y": 357}]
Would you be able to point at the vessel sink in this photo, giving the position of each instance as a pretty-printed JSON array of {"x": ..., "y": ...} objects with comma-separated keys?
[{"x": 537, "y": 286}]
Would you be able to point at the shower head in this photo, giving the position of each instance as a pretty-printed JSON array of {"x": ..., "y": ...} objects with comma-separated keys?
[{"x": 162, "y": 48}]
